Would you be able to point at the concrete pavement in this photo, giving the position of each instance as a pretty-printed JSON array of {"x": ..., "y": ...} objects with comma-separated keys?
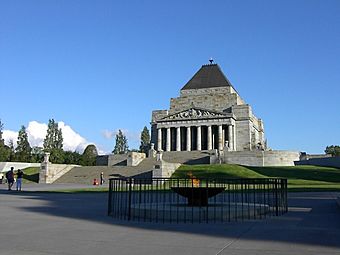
[{"x": 57, "y": 223}]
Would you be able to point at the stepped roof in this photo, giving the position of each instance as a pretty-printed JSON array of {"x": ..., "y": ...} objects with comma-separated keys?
[{"x": 208, "y": 76}]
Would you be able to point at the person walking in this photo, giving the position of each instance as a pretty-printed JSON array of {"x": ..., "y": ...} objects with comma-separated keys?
[
  {"x": 20, "y": 174},
  {"x": 10, "y": 178},
  {"x": 102, "y": 180}
]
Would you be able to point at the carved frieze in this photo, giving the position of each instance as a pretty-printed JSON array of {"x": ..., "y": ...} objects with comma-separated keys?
[{"x": 194, "y": 113}]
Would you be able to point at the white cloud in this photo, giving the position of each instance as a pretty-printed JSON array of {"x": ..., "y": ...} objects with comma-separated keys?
[
  {"x": 9, "y": 135},
  {"x": 72, "y": 140},
  {"x": 37, "y": 132},
  {"x": 108, "y": 134},
  {"x": 132, "y": 136}
]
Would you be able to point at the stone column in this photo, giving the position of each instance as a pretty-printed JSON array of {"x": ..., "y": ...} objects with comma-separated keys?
[
  {"x": 188, "y": 139},
  {"x": 209, "y": 138},
  {"x": 168, "y": 139},
  {"x": 199, "y": 147},
  {"x": 178, "y": 139},
  {"x": 220, "y": 142},
  {"x": 230, "y": 137},
  {"x": 159, "y": 139}
]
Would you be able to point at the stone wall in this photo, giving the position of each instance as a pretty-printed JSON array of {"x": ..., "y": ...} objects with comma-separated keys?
[
  {"x": 134, "y": 158},
  {"x": 49, "y": 172},
  {"x": 218, "y": 99},
  {"x": 163, "y": 169},
  {"x": 112, "y": 160},
  {"x": 258, "y": 158},
  {"x": 6, "y": 166},
  {"x": 326, "y": 161},
  {"x": 243, "y": 135},
  {"x": 102, "y": 160}
]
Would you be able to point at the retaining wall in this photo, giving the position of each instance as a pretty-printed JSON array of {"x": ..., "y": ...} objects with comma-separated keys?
[
  {"x": 259, "y": 158},
  {"x": 329, "y": 161}
]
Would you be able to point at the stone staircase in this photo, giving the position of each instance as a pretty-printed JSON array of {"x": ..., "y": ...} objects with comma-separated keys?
[{"x": 86, "y": 174}]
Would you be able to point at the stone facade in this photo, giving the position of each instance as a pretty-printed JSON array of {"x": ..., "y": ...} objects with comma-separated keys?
[
  {"x": 257, "y": 158},
  {"x": 209, "y": 114}
]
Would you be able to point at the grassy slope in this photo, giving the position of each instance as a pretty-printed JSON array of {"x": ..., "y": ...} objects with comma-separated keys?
[
  {"x": 299, "y": 177},
  {"x": 31, "y": 174}
]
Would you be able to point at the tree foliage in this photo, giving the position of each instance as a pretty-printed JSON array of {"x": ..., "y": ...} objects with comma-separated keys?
[
  {"x": 53, "y": 142},
  {"x": 334, "y": 150},
  {"x": 4, "y": 150},
  {"x": 72, "y": 157},
  {"x": 145, "y": 140},
  {"x": 37, "y": 154},
  {"x": 23, "y": 149},
  {"x": 121, "y": 145},
  {"x": 89, "y": 155}
]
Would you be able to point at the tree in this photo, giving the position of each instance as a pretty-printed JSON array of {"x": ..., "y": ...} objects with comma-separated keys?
[
  {"x": 54, "y": 137},
  {"x": 23, "y": 149},
  {"x": 334, "y": 150},
  {"x": 72, "y": 157},
  {"x": 145, "y": 140},
  {"x": 89, "y": 155},
  {"x": 121, "y": 146},
  {"x": 37, "y": 154},
  {"x": 53, "y": 142},
  {"x": 4, "y": 150}
]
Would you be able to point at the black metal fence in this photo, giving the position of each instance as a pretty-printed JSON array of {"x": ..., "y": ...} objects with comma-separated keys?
[{"x": 177, "y": 200}]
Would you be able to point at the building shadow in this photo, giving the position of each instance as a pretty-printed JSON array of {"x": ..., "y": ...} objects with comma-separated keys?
[{"x": 313, "y": 218}]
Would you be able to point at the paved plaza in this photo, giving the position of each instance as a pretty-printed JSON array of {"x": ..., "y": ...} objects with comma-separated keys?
[{"x": 56, "y": 223}]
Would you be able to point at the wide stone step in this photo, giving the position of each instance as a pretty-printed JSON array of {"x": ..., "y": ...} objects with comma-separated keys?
[{"x": 86, "y": 174}]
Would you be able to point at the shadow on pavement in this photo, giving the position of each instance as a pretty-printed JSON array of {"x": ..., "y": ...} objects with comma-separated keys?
[{"x": 314, "y": 218}]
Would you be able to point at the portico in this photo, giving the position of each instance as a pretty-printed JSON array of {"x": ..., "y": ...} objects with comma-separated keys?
[{"x": 182, "y": 133}]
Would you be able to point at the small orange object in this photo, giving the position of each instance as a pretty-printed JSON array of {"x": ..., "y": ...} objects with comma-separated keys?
[{"x": 95, "y": 182}]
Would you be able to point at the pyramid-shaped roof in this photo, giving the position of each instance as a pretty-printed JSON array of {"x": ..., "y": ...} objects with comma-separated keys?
[{"x": 209, "y": 76}]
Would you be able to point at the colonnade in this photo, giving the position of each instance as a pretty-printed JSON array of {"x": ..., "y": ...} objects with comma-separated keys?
[{"x": 190, "y": 138}]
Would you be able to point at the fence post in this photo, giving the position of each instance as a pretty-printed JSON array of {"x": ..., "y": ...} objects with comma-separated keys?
[
  {"x": 110, "y": 199},
  {"x": 276, "y": 198},
  {"x": 129, "y": 201}
]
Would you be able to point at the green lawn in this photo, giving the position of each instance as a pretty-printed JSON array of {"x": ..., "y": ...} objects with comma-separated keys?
[{"x": 300, "y": 178}]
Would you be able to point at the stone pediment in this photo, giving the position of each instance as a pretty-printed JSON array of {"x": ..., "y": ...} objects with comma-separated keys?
[{"x": 195, "y": 113}]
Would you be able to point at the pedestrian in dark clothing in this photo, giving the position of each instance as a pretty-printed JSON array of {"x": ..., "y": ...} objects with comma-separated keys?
[
  {"x": 20, "y": 174},
  {"x": 10, "y": 178},
  {"x": 102, "y": 178}
]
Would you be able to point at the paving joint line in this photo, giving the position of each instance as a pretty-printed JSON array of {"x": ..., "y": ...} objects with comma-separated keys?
[{"x": 236, "y": 239}]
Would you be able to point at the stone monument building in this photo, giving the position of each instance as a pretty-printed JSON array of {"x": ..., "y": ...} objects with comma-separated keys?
[{"x": 209, "y": 114}]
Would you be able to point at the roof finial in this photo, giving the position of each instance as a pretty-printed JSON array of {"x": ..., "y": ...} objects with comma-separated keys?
[{"x": 211, "y": 61}]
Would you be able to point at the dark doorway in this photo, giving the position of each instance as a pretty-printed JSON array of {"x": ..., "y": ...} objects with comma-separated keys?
[{"x": 193, "y": 138}]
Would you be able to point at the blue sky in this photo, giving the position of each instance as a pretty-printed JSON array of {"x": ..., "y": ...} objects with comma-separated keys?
[{"x": 99, "y": 66}]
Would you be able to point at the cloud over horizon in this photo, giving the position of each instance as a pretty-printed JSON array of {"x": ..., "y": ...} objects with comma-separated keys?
[
  {"x": 130, "y": 135},
  {"x": 36, "y": 132}
]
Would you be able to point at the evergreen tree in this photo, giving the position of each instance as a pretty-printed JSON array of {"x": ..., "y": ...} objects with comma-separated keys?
[
  {"x": 54, "y": 137},
  {"x": 11, "y": 156},
  {"x": 4, "y": 150},
  {"x": 89, "y": 156},
  {"x": 53, "y": 142},
  {"x": 1, "y": 128},
  {"x": 145, "y": 140},
  {"x": 121, "y": 146},
  {"x": 23, "y": 149}
]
